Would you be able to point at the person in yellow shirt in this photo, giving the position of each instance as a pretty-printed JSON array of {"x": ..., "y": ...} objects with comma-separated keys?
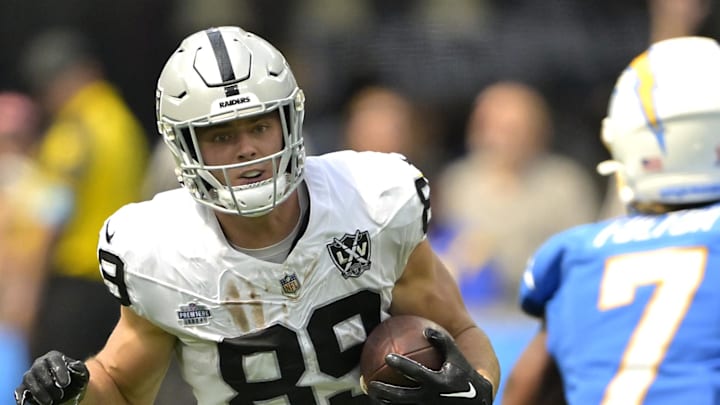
[
  {"x": 96, "y": 146},
  {"x": 31, "y": 207}
]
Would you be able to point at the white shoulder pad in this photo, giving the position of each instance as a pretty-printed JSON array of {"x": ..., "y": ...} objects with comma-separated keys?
[
  {"x": 391, "y": 188},
  {"x": 136, "y": 239}
]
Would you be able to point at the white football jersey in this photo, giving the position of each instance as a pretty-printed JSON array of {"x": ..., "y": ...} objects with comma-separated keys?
[{"x": 255, "y": 332}]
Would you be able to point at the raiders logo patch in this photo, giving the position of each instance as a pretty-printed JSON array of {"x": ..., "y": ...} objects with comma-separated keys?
[
  {"x": 193, "y": 314},
  {"x": 351, "y": 253}
]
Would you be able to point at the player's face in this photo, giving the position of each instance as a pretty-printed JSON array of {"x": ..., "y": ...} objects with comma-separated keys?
[{"x": 242, "y": 141}]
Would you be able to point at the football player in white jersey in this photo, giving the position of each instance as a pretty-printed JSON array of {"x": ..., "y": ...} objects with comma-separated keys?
[{"x": 267, "y": 270}]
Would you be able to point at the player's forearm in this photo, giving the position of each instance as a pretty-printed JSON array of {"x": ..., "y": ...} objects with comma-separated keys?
[
  {"x": 102, "y": 389},
  {"x": 476, "y": 347},
  {"x": 535, "y": 378},
  {"x": 521, "y": 388}
]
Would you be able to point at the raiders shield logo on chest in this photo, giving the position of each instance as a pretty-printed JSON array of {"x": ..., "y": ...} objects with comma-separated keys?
[{"x": 351, "y": 253}]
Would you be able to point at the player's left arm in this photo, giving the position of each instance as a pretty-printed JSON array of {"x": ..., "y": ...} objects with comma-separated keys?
[
  {"x": 470, "y": 373},
  {"x": 535, "y": 378},
  {"x": 427, "y": 289}
]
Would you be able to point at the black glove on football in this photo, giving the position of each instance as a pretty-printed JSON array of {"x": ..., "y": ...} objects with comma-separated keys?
[
  {"x": 456, "y": 383},
  {"x": 52, "y": 379}
]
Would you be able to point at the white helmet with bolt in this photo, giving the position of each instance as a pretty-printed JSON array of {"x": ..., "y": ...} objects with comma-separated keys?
[{"x": 663, "y": 124}]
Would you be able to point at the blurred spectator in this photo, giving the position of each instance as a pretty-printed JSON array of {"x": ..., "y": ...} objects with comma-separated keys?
[
  {"x": 160, "y": 175},
  {"x": 379, "y": 119},
  {"x": 98, "y": 149},
  {"x": 676, "y": 18},
  {"x": 382, "y": 119},
  {"x": 501, "y": 200},
  {"x": 611, "y": 205},
  {"x": 31, "y": 207}
]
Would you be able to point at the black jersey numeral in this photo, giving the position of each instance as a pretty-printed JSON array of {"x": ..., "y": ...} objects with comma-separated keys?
[
  {"x": 284, "y": 344},
  {"x": 112, "y": 268},
  {"x": 422, "y": 185}
]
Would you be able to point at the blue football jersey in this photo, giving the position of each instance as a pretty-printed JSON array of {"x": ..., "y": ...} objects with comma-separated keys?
[{"x": 632, "y": 307}]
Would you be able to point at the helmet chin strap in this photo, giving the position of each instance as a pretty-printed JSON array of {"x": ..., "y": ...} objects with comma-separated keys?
[{"x": 253, "y": 196}]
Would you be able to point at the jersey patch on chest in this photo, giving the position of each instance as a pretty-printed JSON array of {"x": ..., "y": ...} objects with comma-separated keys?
[
  {"x": 193, "y": 314},
  {"x": 290, "y": 285},
  {"x": 351, "y": 253}
]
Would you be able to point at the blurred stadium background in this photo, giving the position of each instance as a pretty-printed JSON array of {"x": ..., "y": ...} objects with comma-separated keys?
[{"x": 440, "y": 53}]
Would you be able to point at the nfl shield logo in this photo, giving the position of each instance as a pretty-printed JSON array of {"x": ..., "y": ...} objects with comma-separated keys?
[
  {"x": 290, "y": 285},
  {"x": 351, "y": 253}
]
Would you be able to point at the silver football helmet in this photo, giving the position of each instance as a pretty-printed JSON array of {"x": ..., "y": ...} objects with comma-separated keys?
[
  {"x": 223, "y": 74},
  {"x": 663, "y": 124}
]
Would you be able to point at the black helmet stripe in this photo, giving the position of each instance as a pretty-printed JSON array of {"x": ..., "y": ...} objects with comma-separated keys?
[{"x": 221, "y": 55}]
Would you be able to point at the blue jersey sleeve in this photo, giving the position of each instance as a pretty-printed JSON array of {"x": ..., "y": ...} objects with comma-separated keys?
[{"x": 542, "y": 275}]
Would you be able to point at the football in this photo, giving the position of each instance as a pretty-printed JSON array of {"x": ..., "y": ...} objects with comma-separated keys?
[{"x": 403, "y": 335}]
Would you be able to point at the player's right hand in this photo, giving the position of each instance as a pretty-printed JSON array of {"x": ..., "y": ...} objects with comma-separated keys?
[
  {"x": 53, "y": 379},
  {"x": 456, "y": 383}
]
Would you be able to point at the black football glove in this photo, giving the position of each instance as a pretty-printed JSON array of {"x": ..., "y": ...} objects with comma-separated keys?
[
  {"x": 456, "y": 383},
  {"x": 53, "y": 379}
]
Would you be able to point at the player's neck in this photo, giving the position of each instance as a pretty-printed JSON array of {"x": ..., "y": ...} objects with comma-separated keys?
[{"x": 264, "y": 231}]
